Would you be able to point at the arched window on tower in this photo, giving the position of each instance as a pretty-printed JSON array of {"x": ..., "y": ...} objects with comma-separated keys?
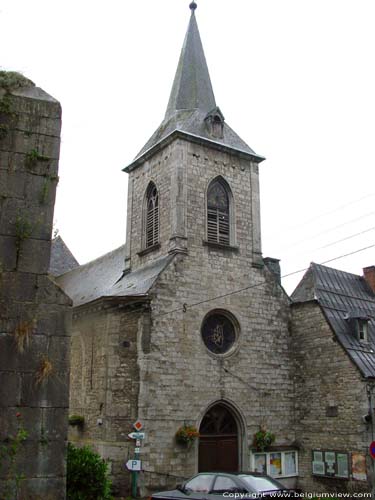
[
  {"x": 152, "y": 228},
  {"x": 218, "y": 212}
]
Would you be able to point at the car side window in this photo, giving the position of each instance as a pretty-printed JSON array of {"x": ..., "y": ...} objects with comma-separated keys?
[
  {"x": 224, "y": 484},
  {"x": 200, "y": 484}
]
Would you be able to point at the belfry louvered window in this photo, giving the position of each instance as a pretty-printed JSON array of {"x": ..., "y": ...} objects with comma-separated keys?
[
  {"x": 152, "y": 216},
  {"x": 218, "y": 221}
]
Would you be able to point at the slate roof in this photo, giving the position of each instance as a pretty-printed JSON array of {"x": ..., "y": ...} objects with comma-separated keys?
[
  {"x": 191, "y": 100},
  {"x": 343, "y": 296},
  {"x": 104, "y": 278},
  {"x": 62, "y": 260}
]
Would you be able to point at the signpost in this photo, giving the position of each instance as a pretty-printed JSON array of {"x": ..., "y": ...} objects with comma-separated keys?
[
  {"x": 136, "y": 435},
  {"x": 134, "y": 465}
]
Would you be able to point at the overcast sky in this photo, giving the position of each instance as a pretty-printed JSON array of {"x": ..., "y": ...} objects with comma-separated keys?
[{"x": 294, "y": 78}]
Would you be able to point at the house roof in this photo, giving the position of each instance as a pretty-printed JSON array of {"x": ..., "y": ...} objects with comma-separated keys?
[
  {"x": 104, "y": 278},
  {"x": 62, "y": 260},
  {"x": 192, "y": 100},
  {"x": 343, "y": 297}
]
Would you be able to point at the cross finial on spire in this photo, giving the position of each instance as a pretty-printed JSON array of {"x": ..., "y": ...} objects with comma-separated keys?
[{"x": 193, "y": 6}]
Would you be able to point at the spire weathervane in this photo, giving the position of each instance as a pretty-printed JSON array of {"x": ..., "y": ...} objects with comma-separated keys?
[{"x": 193, "y": 6}]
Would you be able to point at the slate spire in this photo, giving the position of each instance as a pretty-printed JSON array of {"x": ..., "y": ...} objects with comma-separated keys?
[
  {"x": 192, "y": 112},
  {"x": 192, "y": 87}
]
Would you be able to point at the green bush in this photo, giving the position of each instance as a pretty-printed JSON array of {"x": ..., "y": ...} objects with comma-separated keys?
[{"x": 87, "y": 475}]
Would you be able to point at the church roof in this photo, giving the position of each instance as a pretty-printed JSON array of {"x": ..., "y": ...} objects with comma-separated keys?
[
  {"x": 62, "y": 260},
  {"x": 343, "y": 296},
  {"x": 104, "y": 278},
  {"x": 192, "y": 100}
]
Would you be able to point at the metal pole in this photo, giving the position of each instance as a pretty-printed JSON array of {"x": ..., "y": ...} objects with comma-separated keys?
[
  {"x": 135, "y": 478},
  {"x": 370, "y": 388}
]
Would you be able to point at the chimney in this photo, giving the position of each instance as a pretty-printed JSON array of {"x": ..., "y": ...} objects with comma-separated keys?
[
  {"x": 369, "y": 275},
  {"x": 274, "y": 266}
]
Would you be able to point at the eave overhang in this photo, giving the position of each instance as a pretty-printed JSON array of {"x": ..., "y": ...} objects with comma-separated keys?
[{"x": 179, "y": 134}]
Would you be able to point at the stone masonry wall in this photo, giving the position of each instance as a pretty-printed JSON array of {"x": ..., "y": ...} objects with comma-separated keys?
[
  {"x": 179, "y": 377},
  {"x": 182, "y": 173},
  {"x": 34, "y": 312},
  {"x": 105, "y": 384},
  {"x": 324, "y": 377}
]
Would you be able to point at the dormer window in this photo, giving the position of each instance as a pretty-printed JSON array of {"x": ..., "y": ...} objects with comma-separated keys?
[
  {"x": 215, "y": 124},
  {"x": 362, "y": 329},
  {"x": 358, "y": 324}
]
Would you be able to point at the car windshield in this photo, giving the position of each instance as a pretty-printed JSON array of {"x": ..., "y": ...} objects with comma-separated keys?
[{"x": 260, "y": 483}]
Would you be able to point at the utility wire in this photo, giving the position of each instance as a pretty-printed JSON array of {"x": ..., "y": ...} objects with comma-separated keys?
[
  {"x": 309, "y": 238},
  {"x": 317, "y": 217},
  {"x": 185, "y": 307},
  {"x": 351, "y": 236},
  {"x": 346, "y": 238}
]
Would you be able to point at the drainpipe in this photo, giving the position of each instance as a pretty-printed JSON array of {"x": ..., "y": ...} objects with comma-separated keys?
[{"x": 369, "y": 389}]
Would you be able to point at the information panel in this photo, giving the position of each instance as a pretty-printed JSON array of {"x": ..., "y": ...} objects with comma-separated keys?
[{"x": 330, "y": 464}]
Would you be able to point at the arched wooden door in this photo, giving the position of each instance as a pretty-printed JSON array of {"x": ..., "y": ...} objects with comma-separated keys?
[{"x": 218, "y": 442}]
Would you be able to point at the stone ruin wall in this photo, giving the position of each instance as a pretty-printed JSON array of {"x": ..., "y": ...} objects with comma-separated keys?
[{"x": 34, "y": 312}]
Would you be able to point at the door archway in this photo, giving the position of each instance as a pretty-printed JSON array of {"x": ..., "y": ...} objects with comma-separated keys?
[{"x": 218, "y": 442}]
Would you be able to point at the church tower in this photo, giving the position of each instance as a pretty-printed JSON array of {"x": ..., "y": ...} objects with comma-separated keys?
[
  {"x": 214, "y": 354},
  {"x": 194, "y": 185}
]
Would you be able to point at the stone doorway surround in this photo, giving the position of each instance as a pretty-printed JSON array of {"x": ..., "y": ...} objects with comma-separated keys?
[{"x": 221, "y": 442}]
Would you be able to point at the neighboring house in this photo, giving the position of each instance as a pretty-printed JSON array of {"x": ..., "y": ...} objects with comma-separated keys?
[
  {"x": 160, "y": 331},
  {"x": 333, "y": 351}
]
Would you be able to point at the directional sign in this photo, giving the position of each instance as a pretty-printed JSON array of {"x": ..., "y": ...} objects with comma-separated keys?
[
  {"x": 137, "y": 435},
  {"x": 134, "y": 465},
  {"x": 138, "y": 426},
  {"x": 372, "y": 449}
]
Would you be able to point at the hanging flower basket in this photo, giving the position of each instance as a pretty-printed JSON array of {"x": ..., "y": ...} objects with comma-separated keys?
[
  {"x": 263, "y": 439},
  {"x": 186, "y": 434}
]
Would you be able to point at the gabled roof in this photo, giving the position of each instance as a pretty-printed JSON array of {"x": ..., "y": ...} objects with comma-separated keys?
[
  {"x": 62, "y": 260},
  {"x": 343, "y": 296},
  {"x": 192, "y": 100},
  {"x": 104, "y": 278}
]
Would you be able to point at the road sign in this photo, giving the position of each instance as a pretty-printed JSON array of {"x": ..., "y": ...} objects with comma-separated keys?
[
  {"x": 138, "y": 426},
  {"x": 372, "y": 449},
  {"x": 134, "y": 465},
  {"x": 137, "y": 443},
  {"x": 137, "y": 450},
  {"x": 137, "y": 435}
]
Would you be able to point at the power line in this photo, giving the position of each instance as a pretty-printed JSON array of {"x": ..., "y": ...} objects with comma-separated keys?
[
  {"x": 185, "y": 307},
  {"x": 351, "y": 236},
  {"x": 309, "y": 238},
  {"x": 317, "y": 217},
  {"x": 347, "y": 238}
]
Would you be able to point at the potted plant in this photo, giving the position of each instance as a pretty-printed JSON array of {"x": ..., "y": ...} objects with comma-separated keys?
[
  {"x": 76, "y": 420},
  {"x": 186, "y": 434},
  {"x": 263, "y": 439}
]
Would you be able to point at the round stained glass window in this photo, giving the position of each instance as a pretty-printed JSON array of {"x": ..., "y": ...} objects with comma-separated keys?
[{"x": 218, "y": 333}]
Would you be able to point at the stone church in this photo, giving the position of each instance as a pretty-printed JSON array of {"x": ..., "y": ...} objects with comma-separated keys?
[{"x": 186, "y": 324}]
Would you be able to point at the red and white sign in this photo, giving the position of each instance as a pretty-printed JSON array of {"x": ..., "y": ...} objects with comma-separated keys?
[{"x": 138, "y": 426}]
